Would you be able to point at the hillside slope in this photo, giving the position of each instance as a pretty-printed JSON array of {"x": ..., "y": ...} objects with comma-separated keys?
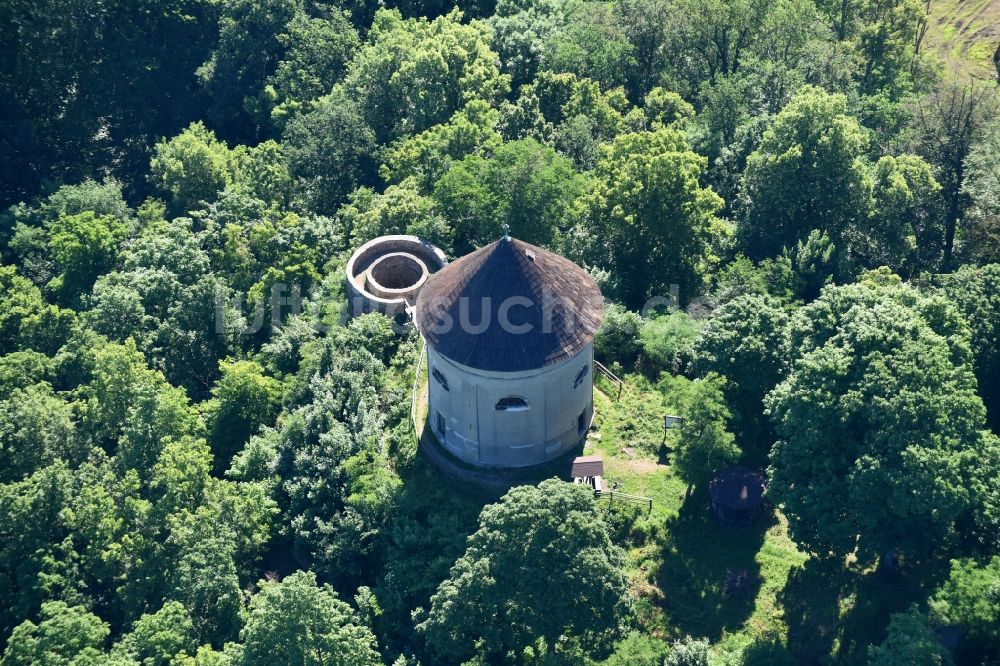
[{"x": 966, "y": 34}]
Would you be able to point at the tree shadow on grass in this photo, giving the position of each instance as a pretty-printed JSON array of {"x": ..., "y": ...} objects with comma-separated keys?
[
  {"x": 835, "y": 611},
  {"x": 709, "y": 574},
  {"x": 877, "y": 595},
  {"x": 811, "y": 601}
]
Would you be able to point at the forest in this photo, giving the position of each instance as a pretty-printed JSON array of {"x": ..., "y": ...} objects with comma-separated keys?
[{"x": 205, "y": 461}]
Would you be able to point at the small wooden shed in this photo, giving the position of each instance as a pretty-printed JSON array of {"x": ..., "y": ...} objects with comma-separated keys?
[{"x": 589, "y": 470}]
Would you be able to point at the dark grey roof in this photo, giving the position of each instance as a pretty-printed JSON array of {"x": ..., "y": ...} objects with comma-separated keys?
[
  {"x": 552, "y": 308},
  {"x": 585, "y": 466}
]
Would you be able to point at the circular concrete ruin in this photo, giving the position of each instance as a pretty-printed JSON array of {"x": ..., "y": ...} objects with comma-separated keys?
[
  {"x": 387, "y": 273},
  {"x": 397, "y": 275}
]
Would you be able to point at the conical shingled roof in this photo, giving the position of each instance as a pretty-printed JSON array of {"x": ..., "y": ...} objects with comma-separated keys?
[{"x": 539, "y": 308}]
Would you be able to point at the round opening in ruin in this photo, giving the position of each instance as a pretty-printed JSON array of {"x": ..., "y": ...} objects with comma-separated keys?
[{"x": 395, "y": 272}]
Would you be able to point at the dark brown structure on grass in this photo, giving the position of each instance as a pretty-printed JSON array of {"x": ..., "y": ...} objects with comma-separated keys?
[{"x": 737, "y": 496}]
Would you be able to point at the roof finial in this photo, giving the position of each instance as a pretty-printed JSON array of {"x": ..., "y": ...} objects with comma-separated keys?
[{"x": 506, "y": 232}]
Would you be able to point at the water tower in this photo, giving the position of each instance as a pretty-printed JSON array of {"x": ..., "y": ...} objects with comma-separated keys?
[{"x": 509, "y": 331}]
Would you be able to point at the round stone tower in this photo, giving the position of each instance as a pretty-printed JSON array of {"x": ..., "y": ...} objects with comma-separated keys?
[{"x": 509, "y": 331}]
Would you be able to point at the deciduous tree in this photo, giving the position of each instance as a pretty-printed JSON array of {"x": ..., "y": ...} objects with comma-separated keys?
[
  {"x": 880, "y": 424},
  {"x": 648, "y": 210},
  {"x": 305, "y": 623},
  {"x": 540, "y": 569}
]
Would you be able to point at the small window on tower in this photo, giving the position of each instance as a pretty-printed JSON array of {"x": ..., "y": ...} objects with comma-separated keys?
[
  {"x": 580, "y": 376},
  {"x": 440, "y": 379},
  {"x": 511, "y": 404}
]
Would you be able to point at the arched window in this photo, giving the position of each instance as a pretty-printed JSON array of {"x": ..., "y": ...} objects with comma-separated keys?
[
  {"x": 511, "y": 404},
  {"x": 580, "y": 376},
  {"x": 440, "y": 379}
]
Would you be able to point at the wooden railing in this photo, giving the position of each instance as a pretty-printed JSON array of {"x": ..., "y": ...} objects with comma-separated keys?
[
  {"x": 610, "y": 495},
  {"x": 611, "y": 377}
]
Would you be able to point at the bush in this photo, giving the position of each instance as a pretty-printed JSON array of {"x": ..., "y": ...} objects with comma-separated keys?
[
  {"x": 667, "y": 341},
  {"x": 688, "y": 652},
  {"x": 618, "y": 337}
]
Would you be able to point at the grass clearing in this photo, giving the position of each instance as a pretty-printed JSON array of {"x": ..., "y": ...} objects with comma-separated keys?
[{"x": 751, "y": 591}]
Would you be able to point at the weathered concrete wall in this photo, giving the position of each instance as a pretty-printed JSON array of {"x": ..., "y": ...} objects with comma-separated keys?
[
  {"x": 558, "y": 415},
  {"x": 396, "y": 275},
  {"x": 367, "y": 295}
]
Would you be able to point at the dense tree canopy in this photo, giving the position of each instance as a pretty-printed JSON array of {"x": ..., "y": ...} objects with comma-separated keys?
[
  {"x": 704, "y": 445},
  {"x": 791, "y": 208},
  {"x": 305, "y": 623},
  {"x": 746, "y": 341},
  {"x": 649, "y": 210}
]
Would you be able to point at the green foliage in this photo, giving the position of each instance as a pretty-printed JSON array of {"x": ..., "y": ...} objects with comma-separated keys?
[
  {"x": 910, "y": 640},
  {"x": 590, "y": 44},
  {"x": 648, "y": 208},
  {"x": 982, "y": 187},
  {"x": 541, "y": 569},
  {"x": 23, "y": 369},
  {"x": 665, "y": 107},
  {"x": 879, "y": 423},
  {"x": 158, "y": 639},
  {"x": 946, "y": 124},
  {"x": 243, "y": 400},
  {"x": 970, "y": 599},
  {"x": 192, "y": 168},
  {"x": 36, "y": 428},
  {"x": 96, "y": 85},
  {"x": 617, "y": 340},
  {"x": 26, "y": 320},
  {"x": 330, "y": 152},
  {"x": 746, "y": 341},
  {"x": 646, "y": 25},
  {"x": 906, "y": 230},
  {"x": 127, "y": 404},
  {"x": 806, "y": 174},
  {"x": 553, "y": 100},
  {"x": 263, "y": 173},
  {"x": 688, "y": 652},
  {"x": 638, "y": 649},
  {"x": 524, "y": 184},
  {"x": 886, "y": 41},
  {"x": 400, "y": 209},
  {"x": 426, "y": 156},
  {"x": 249, "y": 45},
  {"x": 976, "y": 294},
  {"x": 704, "y": 446},
  {"x": 317, "y": 51},
  {"x": 521, "y": 30},
  {"x": 667, "y": 339},
  {"x": 83, "y": 247},
  {"x": 65, "y": 636},
  {"x": 305, "y": 623},
  {"x": 415, "y": 73},
  {"x": 331, "y": 454},
  {"x": 166, "y": 442}
]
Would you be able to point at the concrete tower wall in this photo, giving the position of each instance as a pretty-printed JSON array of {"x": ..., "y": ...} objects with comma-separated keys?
[{"x": 559, "y": 410}]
